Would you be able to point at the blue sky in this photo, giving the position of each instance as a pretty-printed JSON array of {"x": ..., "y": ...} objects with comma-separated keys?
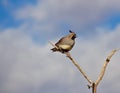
[
  {"x": 28, "y": 66},
  {"x": 7, "y": 7}
]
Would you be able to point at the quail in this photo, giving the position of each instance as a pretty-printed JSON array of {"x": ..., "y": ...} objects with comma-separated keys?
[{"x": 66, "y": 43}]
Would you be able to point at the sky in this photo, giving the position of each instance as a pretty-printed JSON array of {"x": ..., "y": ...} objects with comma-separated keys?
[{"x": 27, "y": 65}]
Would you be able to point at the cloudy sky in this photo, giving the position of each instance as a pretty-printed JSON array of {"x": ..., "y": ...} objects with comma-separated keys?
[{"x": 28, "y": 66}]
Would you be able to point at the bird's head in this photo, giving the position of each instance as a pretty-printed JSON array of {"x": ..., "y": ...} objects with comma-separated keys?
[{"x": 72, "y": 35}]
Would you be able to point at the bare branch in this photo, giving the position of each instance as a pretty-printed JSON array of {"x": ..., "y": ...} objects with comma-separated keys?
[
  {"x": 78, "y": 67},
  {"x": 75, "y": 63},
  {"x": 93, "y": 84},
  {"x": 53, "y": 44},
  {"x": 104, "y": 66},
  {"x": 94, "y": 88}
]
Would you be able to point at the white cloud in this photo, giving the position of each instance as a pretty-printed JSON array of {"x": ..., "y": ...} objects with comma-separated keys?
[
  {"x": 29, "y": 11},
  {"x": 79, "y": 14},
  {"x": 30, "y": 68},
  {"x": 25, "y": 65}
]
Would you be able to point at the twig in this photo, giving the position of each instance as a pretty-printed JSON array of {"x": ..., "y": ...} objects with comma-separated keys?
[
  {"x": 53, "y": 45},
  {"x": 104, "y": 66},
  {"x": 75, "y": 63},
  {"x": 78, "y": 67},
  {"x": 93, "y": 84}
]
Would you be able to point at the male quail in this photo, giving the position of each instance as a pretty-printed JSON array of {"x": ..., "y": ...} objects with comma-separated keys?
[{"x": 66, "y": 43}]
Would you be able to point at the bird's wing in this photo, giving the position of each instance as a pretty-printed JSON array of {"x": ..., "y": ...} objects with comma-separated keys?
[{"x": 61, "y": 41}]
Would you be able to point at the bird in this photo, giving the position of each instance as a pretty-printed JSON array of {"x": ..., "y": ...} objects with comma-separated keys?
[{"x": 66, "y": 43}]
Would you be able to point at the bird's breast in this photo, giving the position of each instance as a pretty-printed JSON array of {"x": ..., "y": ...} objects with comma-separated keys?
[{"x": 65, "y": 47}]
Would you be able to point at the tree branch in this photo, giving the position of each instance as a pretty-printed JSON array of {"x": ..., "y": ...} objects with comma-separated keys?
[
  {"x": 104, "y": 66},
  {"x": 78, "y": 67},
  {"x": 75, "y": 63},
  {"x": 53, "y": 45},
  {"x": 93, "y": 84}
]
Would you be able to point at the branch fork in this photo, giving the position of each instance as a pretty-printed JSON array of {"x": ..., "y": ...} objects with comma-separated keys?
[{"x": 92, "y": 84}]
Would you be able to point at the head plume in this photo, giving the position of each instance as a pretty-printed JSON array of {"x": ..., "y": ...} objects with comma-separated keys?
[{"x": 72, "y": 34}]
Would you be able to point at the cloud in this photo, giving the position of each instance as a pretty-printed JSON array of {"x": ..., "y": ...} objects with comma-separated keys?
[
  {"x": 30, "y": 68},
  {"x": 77, "y": 14},
  {"x": 49, "y": 18},
  {"x": 26, "y": 66}
]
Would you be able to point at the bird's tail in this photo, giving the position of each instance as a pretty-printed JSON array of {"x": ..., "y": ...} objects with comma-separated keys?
[{"x": 54, "y": 49}]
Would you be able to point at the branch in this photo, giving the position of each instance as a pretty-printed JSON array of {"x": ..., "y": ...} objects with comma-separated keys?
[
  {"x": 104, "y": 66},
  {"x": 53, "y": 44},
  {"x": 78, "y": 67},
  {"x": 92, "y": 84},
  {"x": 75, "y": 63}
]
